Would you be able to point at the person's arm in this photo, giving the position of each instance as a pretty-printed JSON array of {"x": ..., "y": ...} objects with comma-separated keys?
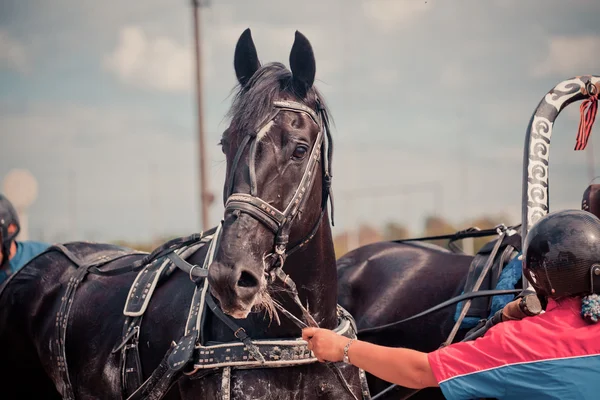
[{"x": 405, "y": 367}]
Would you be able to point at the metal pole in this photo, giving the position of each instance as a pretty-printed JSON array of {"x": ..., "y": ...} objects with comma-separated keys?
[
  {"x": 205, "y": 195},
  {"x": 72, "y": 201},
  {"x": 152, "y": 181}
]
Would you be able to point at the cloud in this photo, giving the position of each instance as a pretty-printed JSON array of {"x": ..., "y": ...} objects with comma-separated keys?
[
  {"x": 106, "y": 162},
  {"x": 162, "y": 63},
  {"x": 507, "y": 4},
  {"x": 384, "y": 76},
  {"x": 157, "y": 63},
  {"x": 13, "y": 55},
  {"x": 569, "y": 56},
  {"x": 393, "y": 14},
  {"x": 453, "y": 75}
]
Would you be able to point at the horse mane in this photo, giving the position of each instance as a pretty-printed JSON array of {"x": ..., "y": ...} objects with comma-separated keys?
[{"x": 253, "y": 102}]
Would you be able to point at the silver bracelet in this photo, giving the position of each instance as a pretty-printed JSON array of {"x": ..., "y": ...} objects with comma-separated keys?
[{"x": 346, "y": 348}]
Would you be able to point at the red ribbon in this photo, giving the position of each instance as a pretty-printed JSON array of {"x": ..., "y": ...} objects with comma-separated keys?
[{"x": 588, "y": 109}]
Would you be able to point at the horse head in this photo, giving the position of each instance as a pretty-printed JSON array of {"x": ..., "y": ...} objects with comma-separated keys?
[{"x": 277, "y": 174}]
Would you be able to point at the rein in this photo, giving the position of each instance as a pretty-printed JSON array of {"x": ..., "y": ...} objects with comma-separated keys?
[
  {"x": 500, "y": 230},
  {"x": 447, "y": 303},
  {"x": 468, "y": 233}
]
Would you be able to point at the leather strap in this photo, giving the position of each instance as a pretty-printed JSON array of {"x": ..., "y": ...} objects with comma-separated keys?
[
  {"x": 161, "y": 251},
  {"x": 258, "y": 208},
  {"x": 192, "y": 270},
  {"x": 231, "y": 178},
  {"x": 252, "y": 168},
  {"x": 447, "y": 303},
  {"x": 62, "y": 317},
  {"x": 465, "y": 234},
  {"x": 310, "y": 236},
  {"x": 62, "y": 321},
  {"x": 132, "y": 375},
  {"x": 296, "y": 107},
  {"x": 159, "y": 382},
  {"x": 131, "y": 369},
  {"x": 238, "y": 331},
  {"x": 465, "y": 307}
]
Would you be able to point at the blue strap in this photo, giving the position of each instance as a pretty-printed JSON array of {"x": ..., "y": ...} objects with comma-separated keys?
[{"x": 509, "y": 278}]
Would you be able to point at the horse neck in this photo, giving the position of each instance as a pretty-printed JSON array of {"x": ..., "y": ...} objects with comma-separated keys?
[{"x": 314, "y": 271}]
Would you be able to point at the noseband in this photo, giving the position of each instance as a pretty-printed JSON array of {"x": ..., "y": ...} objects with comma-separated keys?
[{"x": 277, "y": 221}]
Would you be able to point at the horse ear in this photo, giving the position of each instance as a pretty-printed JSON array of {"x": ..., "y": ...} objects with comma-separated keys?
[
  {"x": 245, "y": 60},
  {"x": 302, "y": 63}
]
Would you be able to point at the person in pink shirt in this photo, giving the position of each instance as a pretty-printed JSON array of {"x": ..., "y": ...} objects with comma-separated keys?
[{"x": 553, "y": 355}]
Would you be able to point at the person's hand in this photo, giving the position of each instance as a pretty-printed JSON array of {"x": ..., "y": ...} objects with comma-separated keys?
[{"x": 325, "y": 344}]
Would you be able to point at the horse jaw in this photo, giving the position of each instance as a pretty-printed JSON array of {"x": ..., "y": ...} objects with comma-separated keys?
[{"x": 239, "y": 314}]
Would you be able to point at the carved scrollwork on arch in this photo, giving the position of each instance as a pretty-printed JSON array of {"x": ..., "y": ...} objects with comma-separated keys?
[
  {"x": 537, "y": 180},
  {"x": 536, "y": 215},
  {"x": 541, "y": 128},
  {"x": 563, "y": 92},
  {"x": 538, "y": 194},
  {"x": 535, "y": 201},
  {"x": 539, "y": 152}
]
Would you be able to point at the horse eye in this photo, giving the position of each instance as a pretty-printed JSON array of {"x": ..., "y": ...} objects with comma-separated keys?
[{"x": 300, "y": 152}]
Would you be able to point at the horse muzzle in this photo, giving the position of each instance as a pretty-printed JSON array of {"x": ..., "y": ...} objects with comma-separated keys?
[{"x": 235, "y": 287}]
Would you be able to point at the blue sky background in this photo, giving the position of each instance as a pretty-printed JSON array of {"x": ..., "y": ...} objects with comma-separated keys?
[{"x": 97, "y": 101}]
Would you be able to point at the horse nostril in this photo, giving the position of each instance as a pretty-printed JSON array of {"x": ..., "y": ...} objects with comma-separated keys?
[{"x": 247, "y": 280}]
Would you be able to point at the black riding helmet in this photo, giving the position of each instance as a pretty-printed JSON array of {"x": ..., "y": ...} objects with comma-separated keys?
[
  {"x": 561, "y": 254},
  {"x": 8, "y": 216}
]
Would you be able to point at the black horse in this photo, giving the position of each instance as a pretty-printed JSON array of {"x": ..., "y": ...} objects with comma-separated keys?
[{"x": 61, "y": 316}]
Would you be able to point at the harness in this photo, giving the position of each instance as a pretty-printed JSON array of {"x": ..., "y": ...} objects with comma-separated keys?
[
  {"x": 84, "y": 263},
  {"x": 192, "y": 348}
]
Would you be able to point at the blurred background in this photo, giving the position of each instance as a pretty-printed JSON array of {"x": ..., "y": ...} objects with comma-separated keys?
[{"x": 99, "y": 133}]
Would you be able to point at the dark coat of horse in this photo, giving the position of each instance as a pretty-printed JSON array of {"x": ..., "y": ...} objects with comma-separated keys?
[
  {"x": 30, "y": 302},
  {"x": 386, "y": 282}
]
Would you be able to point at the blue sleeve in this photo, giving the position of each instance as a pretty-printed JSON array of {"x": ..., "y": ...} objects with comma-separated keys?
[
  {"x": 26, "y": 251},
  {"x": 488, "y": 384}
]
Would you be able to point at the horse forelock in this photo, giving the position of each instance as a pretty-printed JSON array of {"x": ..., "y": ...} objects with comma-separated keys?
[{"x": 253, "y": 102}]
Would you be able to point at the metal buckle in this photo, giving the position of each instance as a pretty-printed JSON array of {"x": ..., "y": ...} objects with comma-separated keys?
[
  {"x": 594, "y": 276},
  {"x": 500, "y": 228},
  {"x": 280, "y": 250},
  {"x": 591, "y": 89},
  {"x": 191, "y": 269},
  {"x": 236, "y": 332},
  {"x": 277, "y": 255}
]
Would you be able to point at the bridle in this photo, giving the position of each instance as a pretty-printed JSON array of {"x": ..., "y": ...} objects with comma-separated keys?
[{"x": 277, "y": 221}]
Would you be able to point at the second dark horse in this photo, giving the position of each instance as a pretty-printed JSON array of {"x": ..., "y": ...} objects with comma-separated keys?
[{"x": 386, "y": 282}]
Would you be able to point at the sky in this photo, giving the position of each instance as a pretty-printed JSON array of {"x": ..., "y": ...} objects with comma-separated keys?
[{"x": 430, "y": 99}]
